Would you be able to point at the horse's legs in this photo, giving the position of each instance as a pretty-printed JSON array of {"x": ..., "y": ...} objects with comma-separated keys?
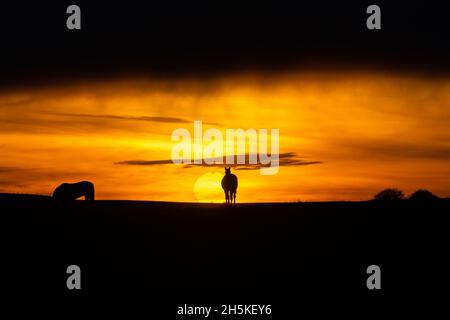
[
  {"x": 88, "y": 194},
  {"x": 234, "y": 197},
  {"x": 226, "y": 196}
]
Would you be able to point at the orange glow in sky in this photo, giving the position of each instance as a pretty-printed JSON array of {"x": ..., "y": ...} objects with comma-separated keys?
[{"x": 369, "y": 131}]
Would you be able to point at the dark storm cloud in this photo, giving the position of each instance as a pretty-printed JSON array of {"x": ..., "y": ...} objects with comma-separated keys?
[
  {"x": 285, "y": 159},
  {"x": 206, "y": 38}
]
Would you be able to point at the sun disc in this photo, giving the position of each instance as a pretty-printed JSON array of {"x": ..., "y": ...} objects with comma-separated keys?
[{"x": 207, "y": 188}]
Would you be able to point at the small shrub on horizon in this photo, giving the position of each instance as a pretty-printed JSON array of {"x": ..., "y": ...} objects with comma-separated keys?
[
  {"x": 423, "y": 195},
  {"x": 390, "y": 194}
]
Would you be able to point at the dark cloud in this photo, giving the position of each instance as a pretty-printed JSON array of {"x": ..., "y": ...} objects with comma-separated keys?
[
  {"x": 285, "y": 159},
  {"x": 144, "y": 162},
  {"x": 206, "y": 38},
  {"x": 14, "y": 103},
  {"x": 117, "y": 117},
  {"x": 389, "y": 149},
  {"x": 9, "y": 169}
]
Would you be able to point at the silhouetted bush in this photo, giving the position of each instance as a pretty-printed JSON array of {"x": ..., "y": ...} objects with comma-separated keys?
[
  {"x": 423, "y": 195},
  {"x": 389, "y": 195}
]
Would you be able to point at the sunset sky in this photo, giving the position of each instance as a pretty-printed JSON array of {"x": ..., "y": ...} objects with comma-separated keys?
[
  {"x": 357, "y": 110},
  {"x": 352, "y": 133}
]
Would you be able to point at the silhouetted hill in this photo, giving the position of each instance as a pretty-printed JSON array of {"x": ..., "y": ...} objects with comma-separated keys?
[
  {"x": 210, "y": 251},
  {"x": 23, "y": 197}
]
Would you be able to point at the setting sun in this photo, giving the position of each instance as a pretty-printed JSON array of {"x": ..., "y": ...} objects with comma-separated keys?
[{"x": 207, "y": 188}]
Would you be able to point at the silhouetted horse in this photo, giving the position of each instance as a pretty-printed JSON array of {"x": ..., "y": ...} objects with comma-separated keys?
[
  {"x": 72, "y": 191},
  {"x": 229, "y": 185}
]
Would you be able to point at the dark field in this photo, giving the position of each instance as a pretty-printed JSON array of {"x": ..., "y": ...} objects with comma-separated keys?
[{"x": 199, "y": 251}]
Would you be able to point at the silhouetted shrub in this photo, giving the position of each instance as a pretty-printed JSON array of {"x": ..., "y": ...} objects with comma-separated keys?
[
  {"x": 423, "y": 195},
  {"x": 389, "y": 195}
]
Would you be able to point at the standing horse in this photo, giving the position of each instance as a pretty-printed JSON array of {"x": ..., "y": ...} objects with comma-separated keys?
[
  {"x": 72, "y": 191},
  {"x": 229, "y": 185}
]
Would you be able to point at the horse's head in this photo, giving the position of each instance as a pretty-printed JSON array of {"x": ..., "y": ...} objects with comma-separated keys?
[{"x": 228, "y": 170}]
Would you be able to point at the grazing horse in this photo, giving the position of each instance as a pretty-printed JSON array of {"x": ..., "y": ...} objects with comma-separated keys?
[
  {"x": 72, "y": 191},
  {"x": 229, "y": 185}
]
